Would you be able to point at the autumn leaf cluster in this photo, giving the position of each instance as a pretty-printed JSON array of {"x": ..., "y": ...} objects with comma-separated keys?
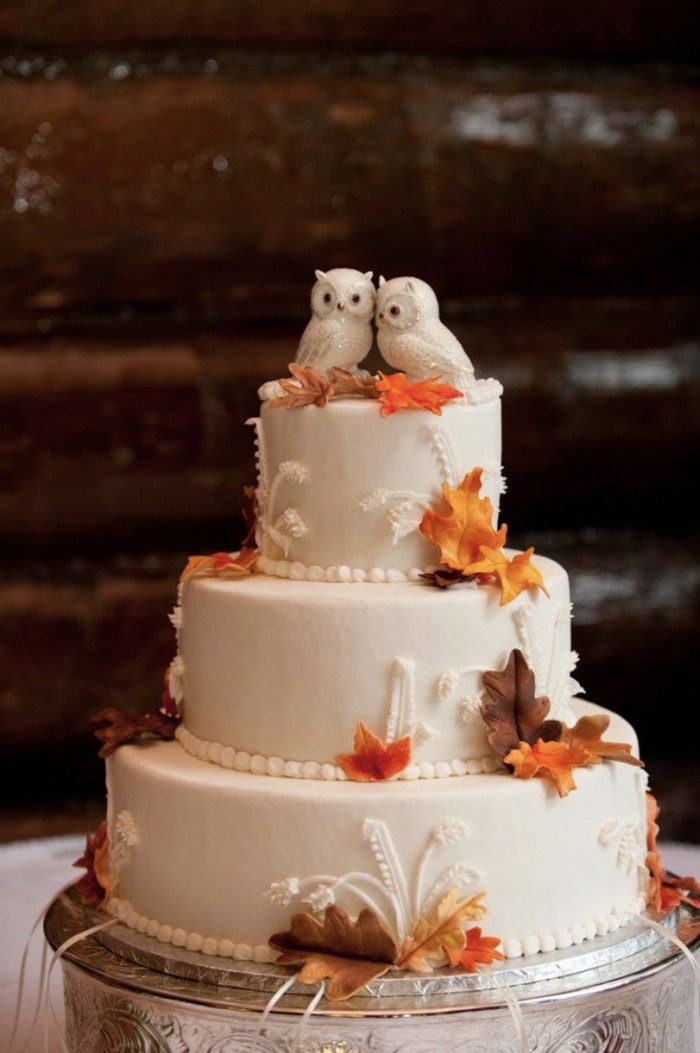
[
  {"x": 523, "y": 737},
  {"x": 349, "y": 954},
  {"x": 470, "y": 546}
]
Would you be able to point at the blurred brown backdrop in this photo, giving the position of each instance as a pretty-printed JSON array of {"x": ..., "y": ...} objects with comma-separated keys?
[{"x": 171, "y": 174}]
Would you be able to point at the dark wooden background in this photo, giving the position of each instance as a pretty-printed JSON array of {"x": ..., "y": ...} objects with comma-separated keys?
[{"x": 171, "y": 174}]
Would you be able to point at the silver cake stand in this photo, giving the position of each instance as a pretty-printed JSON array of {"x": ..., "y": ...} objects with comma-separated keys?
[{"x": 631, "y": 992}]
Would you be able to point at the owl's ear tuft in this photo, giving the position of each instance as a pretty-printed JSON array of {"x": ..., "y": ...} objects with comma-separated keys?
[
  {"x": 382, "y": 280},
  {"x": 368, "y": 275},
  {"x": 320, "y": 275}
]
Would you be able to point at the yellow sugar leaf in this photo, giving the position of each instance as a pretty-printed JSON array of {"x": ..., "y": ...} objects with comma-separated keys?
[
  {"x": 442, "y": 931},
  {"x": 514, "y": 575}
]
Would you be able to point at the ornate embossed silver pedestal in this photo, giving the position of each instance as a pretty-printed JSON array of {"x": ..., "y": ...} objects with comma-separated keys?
[{"x": 632, "y": 993}]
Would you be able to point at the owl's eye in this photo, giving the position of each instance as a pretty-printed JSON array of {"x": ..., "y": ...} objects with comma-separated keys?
[
  {"x": 355, "y": 298},
  {"x": 394, "y": 310},
  {"x": 327, "y": 297}
]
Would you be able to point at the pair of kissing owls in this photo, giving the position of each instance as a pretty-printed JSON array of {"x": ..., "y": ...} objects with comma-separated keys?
[{"x": 410, "y": 335}]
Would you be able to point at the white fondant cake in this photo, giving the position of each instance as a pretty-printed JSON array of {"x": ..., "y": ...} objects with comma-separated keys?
[{"x": 375, "y": 703}]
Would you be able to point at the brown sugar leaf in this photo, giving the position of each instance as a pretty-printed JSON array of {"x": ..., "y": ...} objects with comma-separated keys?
[
  {"x": 345, "y": 382},
  {"x": 117, "y": 727},
  {"x": 307, "y": 388},
  {"x": 347, "y": 954},
  {"x": 514, "y": 714},
  {"x": 587, "y": 732}
]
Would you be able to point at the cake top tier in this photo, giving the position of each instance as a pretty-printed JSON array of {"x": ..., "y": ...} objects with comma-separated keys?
[{"x": 342, "y": 489}]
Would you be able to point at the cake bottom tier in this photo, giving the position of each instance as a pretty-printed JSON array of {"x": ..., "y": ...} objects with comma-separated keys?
[{"x": 218, "y": 861}]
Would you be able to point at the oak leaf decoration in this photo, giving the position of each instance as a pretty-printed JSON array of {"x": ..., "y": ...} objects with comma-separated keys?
[
  {"x": 469, "y": 543},
  {"x": 460, "y": 533},
  {"x": 587, "y": 732},
  {"x": 514, "y": 713},
  {"x": 478, "y": 950},
  {"x": 397, "y": 392},
  {"x": 307, "y": 388},
  {"x": 514, "y": 574},
  {"x": 96, "y": 884},
  {"x": 374, "y": 760},
  {"x": 433, "y": 937},
  {"x": 347, "y": 954},
  {"x": 117, "y": 726},
  {"x": 345, "y": 382}
]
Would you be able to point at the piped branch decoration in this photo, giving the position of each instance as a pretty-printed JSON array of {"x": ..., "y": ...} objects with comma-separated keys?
[
  {"x": 529, "y": 743},
  {"x": 470, "y": 548}
]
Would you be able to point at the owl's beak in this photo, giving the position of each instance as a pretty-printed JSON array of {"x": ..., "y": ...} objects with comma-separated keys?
[{"x": 341, "y": 306}]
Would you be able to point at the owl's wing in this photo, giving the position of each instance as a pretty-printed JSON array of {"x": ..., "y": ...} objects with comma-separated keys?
[{"x": 315, "y": 343}]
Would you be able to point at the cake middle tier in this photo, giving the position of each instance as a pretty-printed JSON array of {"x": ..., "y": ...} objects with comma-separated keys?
[{"x": 276, "y": 674}]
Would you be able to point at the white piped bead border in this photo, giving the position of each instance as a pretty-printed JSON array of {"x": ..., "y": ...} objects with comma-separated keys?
[
  {"x": 296, "y": 571},
  {"x": 278, "y": 767}
]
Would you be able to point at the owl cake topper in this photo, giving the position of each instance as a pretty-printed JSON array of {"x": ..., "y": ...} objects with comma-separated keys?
[
  {"x": 339, "y": 332},
  {"x": 412, "y": 338}
]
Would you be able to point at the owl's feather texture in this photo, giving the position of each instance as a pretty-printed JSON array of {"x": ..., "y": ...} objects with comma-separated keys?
[
  {"x": 339, "y": 332},
  {"x": 413, "y": 339}
]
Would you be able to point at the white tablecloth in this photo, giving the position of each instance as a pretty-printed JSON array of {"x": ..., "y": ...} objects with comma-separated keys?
[{"x": 32, "y": 872}]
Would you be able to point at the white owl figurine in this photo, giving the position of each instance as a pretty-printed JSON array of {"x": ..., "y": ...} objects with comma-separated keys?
[
  {"x": 339, "y": 332},
  {"x": 412, "y": 338}
]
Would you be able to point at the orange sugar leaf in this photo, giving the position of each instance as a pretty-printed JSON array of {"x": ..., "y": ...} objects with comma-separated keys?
[
  {"x": 478, "y": 950},
  {"x": 219, "y": 563},
  {"x": 396, "y": 392},
  {"x": 461, "y": 532},
  {"x": 554, "y": 760},
  {"x": 374, "y": 760}
]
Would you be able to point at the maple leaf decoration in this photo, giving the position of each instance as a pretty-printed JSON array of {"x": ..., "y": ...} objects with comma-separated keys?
[
  {"x": 117, "y": 727},
  {"x": 471, "y": 547},
  {"x": 530, "y": 744},
  {"x": 373, "y": 759},
  {"x": 348, "y": 954},
  {"x": 665, "y": 890},
  {"x": 478, "y": 950},
  {"x": 432, "y": 938},
  {"x": 96, "y": 885},
  {"x": 396, "y": 392},
  {"x": 219, "y": 563}
]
